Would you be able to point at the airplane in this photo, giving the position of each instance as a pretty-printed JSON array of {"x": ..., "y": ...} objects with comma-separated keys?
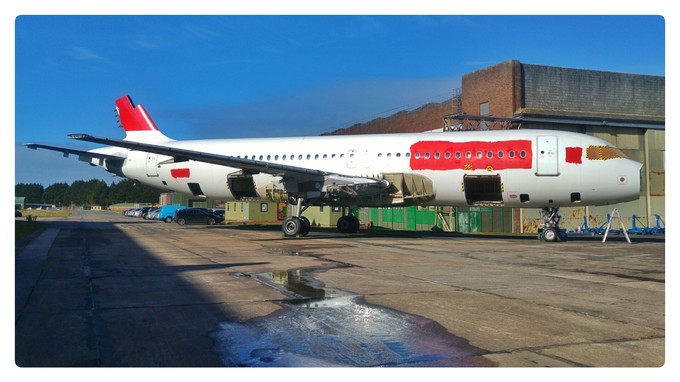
[{"x": 528, "y": 168}]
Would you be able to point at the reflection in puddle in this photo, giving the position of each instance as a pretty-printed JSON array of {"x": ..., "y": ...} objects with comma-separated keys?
[{"x": 324, "y": 327}]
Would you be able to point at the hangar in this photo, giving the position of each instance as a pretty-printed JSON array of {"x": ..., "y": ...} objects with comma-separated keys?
[{"x": 625, "y": 109}]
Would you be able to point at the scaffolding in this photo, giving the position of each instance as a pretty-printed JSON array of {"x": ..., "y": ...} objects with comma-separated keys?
[{"x": 465, "y": 122}]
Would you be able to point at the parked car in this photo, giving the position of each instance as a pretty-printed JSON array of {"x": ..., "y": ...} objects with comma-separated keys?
[
  {"x": 197, "y": 216},
  {"x": 152, "y": 213},
  {"x": 167, "y": 213}
]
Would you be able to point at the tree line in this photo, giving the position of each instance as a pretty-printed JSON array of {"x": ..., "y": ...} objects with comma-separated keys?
[{"x": 94, "y": 192}]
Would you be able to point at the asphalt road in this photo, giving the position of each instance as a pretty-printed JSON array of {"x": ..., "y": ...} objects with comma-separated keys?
[{"x": 101, "y": 289}]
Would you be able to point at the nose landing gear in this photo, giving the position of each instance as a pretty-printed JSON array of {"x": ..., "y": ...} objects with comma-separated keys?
[{"x": 551, "y": 232}]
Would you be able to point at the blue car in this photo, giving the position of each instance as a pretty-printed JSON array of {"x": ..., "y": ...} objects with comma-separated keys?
[{"x": 167, "y": 213}]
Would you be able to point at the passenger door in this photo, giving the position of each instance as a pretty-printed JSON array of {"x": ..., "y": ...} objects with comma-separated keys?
[
  {"x": 151, "y": 164},
  {"x": 546, "y": 156}
]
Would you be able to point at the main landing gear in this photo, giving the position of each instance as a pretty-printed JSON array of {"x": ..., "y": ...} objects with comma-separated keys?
[
  {"x": 348, "y": 223},
  {"x": 299, "y": 225},
  {"x": 551, "y": 231}
]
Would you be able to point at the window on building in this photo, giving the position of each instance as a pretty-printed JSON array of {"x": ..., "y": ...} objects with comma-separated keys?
[{"x": 484, "y": 108}]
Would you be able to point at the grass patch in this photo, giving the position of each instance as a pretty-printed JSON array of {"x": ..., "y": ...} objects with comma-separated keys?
[
  {"x": 45, "y": 213},
  {"x": 24, "y": 228}
]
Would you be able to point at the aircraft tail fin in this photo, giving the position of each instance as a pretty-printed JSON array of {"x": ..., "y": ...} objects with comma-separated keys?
[{"x": 137, "y": 123}]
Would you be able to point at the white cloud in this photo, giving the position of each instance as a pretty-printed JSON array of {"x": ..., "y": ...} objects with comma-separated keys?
[{"x": 80, "y": 53}]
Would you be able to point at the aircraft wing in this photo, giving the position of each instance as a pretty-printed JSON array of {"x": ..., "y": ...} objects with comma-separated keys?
[
  {"x": 247, "y": 165},
  {"x": 85, "y": 156}
]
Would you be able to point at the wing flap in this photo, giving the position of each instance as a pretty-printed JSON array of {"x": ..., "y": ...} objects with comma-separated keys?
[{"x": 85, "y": 156}]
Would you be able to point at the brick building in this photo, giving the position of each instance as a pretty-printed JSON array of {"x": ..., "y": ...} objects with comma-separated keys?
[{"x": 625, "y": 109}]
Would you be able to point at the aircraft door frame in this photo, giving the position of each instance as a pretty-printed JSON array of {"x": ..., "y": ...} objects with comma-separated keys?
[
  {"x": 151, "y": 164},
  {"x": 546, "y": 156},
  {"x": 352, "y": 158}
]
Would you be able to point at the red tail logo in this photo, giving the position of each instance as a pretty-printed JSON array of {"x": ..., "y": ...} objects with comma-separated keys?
[{"x": 133, "y": 118}]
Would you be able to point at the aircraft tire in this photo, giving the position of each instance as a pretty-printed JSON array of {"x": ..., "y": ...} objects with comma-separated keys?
[
  {"x": 292, "y": 226},
  {"x": 306, "y": 226},
  {"x": 348, "y": 224},
  {"x": 344, "y": 224},
  {"x": 550, "y": 235},
  {"x": 355, "y": 224}
]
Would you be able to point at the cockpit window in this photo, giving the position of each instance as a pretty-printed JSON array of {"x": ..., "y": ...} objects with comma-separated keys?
[{"x": 604, "y": 153}]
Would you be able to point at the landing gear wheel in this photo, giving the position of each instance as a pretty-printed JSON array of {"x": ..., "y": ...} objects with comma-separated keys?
[
  {"x": 306, "y": 226},
  {"x": 355, "y": 224},
  {"x": 551, "y": 231},
  {"x": 562, "y": 234},
  {"x": 292, "y": 226},
  {"x": 549, "y": 235},
  {"x": 348, "y": 224}
]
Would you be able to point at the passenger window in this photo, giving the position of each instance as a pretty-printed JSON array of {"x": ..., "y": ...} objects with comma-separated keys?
[
  {"x": 511, "y": 154},
  {"x": 447, "y": 155},
  {"x": 458, "y": 154},
  {"x": 489, "y": 154},
  {"x": 417, "y": 156},
  {"x": 501, "y": 154},
  {"x": 479, "y": 154},
  {"x": 522, "y": 154},
  {"x": 468, "y": 155},
  {"x": 427, "y": 155},
  {"x": 299, "y": 156},
  {"x": 436, "y": 155},
  {"x": 398, "y": 155},
  {"x": 408, "y": 155}
]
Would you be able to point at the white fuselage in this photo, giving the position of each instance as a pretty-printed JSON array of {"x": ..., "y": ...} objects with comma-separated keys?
[{"x": 525, "y": 168}]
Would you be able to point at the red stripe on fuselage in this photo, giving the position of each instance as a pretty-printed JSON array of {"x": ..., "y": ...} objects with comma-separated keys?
[
  {"x": 180, "y": 173},
  {"x": 473, "y": 155}
]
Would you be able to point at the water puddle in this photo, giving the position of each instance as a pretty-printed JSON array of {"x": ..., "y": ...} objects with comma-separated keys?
[{"x": 325, "y": 327}]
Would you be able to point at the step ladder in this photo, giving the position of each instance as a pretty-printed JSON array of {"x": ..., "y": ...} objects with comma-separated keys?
[{"x": 615, "y": 213}]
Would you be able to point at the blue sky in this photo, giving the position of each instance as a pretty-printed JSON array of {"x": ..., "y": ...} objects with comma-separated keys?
[{"x": 252, "y": 76}]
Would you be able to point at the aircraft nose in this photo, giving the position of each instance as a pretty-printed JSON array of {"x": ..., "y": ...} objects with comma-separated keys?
[{"x": 630, "y": 179}]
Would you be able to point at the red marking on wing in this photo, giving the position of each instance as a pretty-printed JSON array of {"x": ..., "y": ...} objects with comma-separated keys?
[
  {"x": 180, "y": 173},
  {"x": 573, "y": 155},
  {"x": 133, "y": 118},
  {"x": 424, "y": 155}
]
